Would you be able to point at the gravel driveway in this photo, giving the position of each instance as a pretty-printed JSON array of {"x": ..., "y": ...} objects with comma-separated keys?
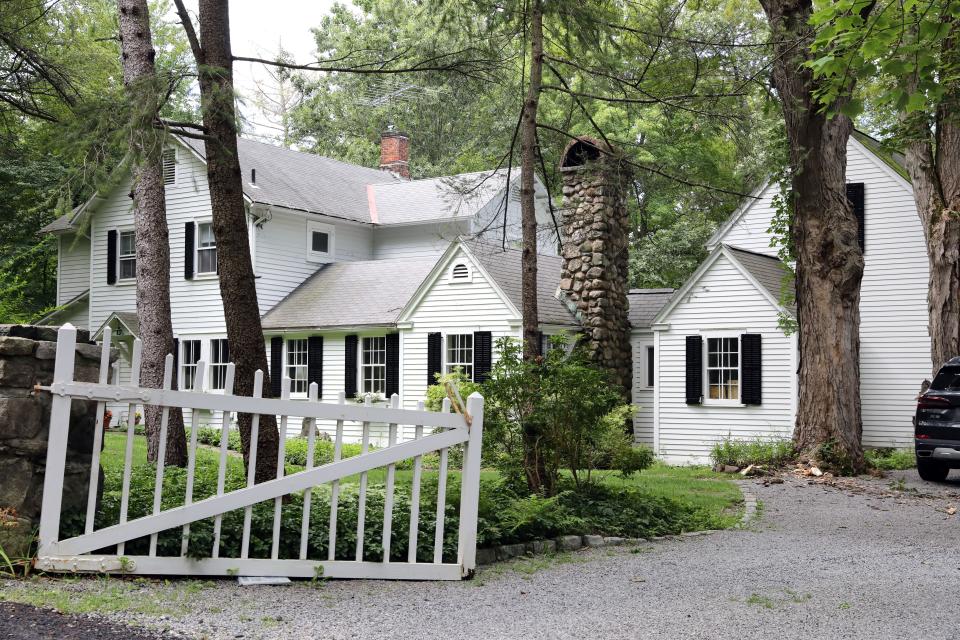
[{"x": 866, "y": 558}]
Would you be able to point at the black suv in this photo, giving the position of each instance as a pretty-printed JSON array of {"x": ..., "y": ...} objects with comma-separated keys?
[{"x": 937, "y": 424}]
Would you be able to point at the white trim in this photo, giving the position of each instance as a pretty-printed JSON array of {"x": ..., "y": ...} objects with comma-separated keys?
[
  {"x": 755, "y": 196},
  {"x": 879, "y": 162},
  {"x": 120, "y": 231},
  {"x": 460, "y": 265},
  {"x": 656, "y": 393},
  {"x": 285, "y": 364},
  {"x": 197, "y": 274},
  {"x": 726, "y": 402},
  {"x": 321, "y": 227}
]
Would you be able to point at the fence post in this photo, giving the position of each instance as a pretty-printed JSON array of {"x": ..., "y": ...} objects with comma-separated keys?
[
  {"x": 57, "y": 438},
  {"x": 470, "y": 488}
]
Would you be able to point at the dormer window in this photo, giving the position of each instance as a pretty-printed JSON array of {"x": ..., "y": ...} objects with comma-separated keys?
[
  {"x": 169, "y": 166},
  {"x": 320, "y": 242},
  {"x": 460, "y": 272}
]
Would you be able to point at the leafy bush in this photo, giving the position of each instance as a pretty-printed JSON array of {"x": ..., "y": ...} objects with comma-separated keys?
[
  {"x": 437, "y": 392},
  {"x": 771, "y": 452},
  {"x": 891, "y": 459}
]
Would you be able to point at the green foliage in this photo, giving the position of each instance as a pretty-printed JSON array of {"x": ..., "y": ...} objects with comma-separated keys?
[
  {"x": 437, "y": 392},
  {"x": 888, "y": 459},
  {"x": 667, "y": 256},
  {"x": 578, "y": 416},
  {"x": 768, "y": 452}
]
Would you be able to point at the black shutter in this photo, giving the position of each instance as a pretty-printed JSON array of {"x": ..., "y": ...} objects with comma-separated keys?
[
  {"x": 855, "y": 194},
  {"x": 276, "y": 366},
  {"x": 350, "y": 366},
  {"x": 542, "y": 343},
  {"x": 694, "y": 370},
  {"x": 651, "y": 358},
  {"x": 751, "y": 368},
  {"x": 112, "y": 256},
  {"x": 393, "y": 364},
  {"x": 482, "y": 355},
  {"x": 315, "y": 362},
  {"x": 189, "y": 230},
  {"x": 434, "y": 357},
  {"x": 176, "y": 361}
]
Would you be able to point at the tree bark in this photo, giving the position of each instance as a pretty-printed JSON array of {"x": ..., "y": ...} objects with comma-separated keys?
[
  {"x": 829, "y": 261},
  {"x": 238, "y": 290},
  {"x": 534, "y": 463},
  {"x": 149, "y": 214},
  {"x": 933, "y": 162}
]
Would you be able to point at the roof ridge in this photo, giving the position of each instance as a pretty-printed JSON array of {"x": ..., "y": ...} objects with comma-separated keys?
[
  {"x": 751, "y": 252},
  {"x": 310, "y": 154}
]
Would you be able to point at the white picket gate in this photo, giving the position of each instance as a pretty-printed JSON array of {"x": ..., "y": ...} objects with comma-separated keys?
[{"x": 79, "y": 553}]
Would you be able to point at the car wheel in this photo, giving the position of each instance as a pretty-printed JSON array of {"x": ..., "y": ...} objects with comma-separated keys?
[{"x": 931, "y": 470}]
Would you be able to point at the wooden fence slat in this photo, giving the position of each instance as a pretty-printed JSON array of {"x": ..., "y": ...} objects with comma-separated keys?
[
  {"x": 161, "y": 449},
  {"x": 415, "y": 496},
  {"x": 192, "y": 459},
  {"x": 93, "y": 487},
  {"x": 251, "y": 464},
  {"x": 362, "y": 498},
  {"x": 391, "y": 477},
  {"x": 131, "y": 426},
  {"x": 281, "y": 464},
  {"x": 222, "y": 467},
  {"x": 312, "y": 394},
  {"x": 335, "y": 486}
]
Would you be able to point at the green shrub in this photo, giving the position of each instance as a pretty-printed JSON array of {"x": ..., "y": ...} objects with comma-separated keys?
[
  {"x": 768, "y": 452},
  {"x": 888, "y": 459}
]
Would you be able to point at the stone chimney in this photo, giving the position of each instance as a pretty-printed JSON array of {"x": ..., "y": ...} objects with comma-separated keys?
[
  {"x": 395, "y": 153},
  {"x": 594, "y": 230}
]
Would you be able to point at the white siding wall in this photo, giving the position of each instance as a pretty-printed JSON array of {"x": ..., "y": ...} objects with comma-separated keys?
[
  {"x": 73, "y": 277},
  {"x": 78, "y": 315},
  {"x": 642, "y": 389},
  {"x": 894, "y": 343},
  {"x": 416, "y": 240},
  {"x": 722, "y": 301}
]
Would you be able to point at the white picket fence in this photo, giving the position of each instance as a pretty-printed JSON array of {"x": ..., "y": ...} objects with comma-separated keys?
[{"x": 433, "y": 432}]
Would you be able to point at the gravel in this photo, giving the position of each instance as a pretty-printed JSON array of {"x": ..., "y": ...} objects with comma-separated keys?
[{"x": 824, "y": 558}]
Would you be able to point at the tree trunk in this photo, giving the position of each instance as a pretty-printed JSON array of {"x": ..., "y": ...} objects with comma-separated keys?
[
  {"x": 829, "y": 261},
  {"x": 238, "y": 290},
  {"x": 533, "y": 457},
  {"x": 153, "y": 244}
]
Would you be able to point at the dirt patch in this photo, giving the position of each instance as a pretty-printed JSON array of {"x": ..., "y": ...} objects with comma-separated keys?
[{"x": 23, "y": 622}]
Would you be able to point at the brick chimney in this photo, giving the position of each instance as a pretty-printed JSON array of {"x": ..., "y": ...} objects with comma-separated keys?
[
  {"x": 594, "y": 231},
  {"x": 395, "y": 153}
]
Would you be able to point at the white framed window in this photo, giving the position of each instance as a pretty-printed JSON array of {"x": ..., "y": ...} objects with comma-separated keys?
[
  {"x": 127, "y": 255},
  {"x": 219, "y": 357},
  {"x": 649, "y": 361},
  {"x": 722, "y": 378},
  {"x": 169, "y": 166},
  {"x": 373, "y": 364},
  {"x": 297, "y": 366},
  {"x": 189, "y": 357},
  {"x": 460, "y": 272},
  {"x": 206, "y": 248},
  {"x": 460, "y": 353},
  {"x": 320, "y": 241}
]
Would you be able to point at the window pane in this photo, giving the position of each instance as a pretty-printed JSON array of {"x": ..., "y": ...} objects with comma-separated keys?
[
  {"x": 205, "y": 235},
  {"x": 297, "y": 365},
  {"x": 206, "y": 260},
  {"x": 723, "y": 356},
  {"x": 320, "y": 242},
  {"x": 219, "y": 353},
  {"x": 374, "y": 370},
  {"x": 128, "y": 243},
  {"x": 128, "y": 268}
]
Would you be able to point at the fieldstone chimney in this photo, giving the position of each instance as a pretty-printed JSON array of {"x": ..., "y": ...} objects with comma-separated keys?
[
  {"x": 594, "y": 230},
  {"x": 395, "y": 153}
]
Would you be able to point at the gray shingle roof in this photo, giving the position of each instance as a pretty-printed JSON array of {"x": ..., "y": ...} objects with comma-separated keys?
[
  {"x": 304, "y": 181},
  {"x": 767, "y": 270},
  {"x": 504, "y": 267},
  {"x": 645, "y": 304},
  {"x": 60, "y": 224},
  {"x": 462, "y": 195},
  {"x": 351, "y": 294}
]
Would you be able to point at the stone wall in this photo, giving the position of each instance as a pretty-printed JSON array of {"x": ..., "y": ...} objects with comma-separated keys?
[
  {"x": 27, "y": 357},
  {"x": 595, "y": 228}
]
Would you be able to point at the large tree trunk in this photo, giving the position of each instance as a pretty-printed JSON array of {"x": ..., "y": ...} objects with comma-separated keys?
[
  {"x": 153, "y": 245},
  {"x": 237, "y": 285},
  {"x": 829, "y": 262},
  {"x": 533, "y": 458}
]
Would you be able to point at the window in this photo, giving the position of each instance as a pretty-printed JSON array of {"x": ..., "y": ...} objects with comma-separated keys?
[
  {"x": 320, "y": 241},
  {"x": 297, "y": 365},
  {"x": 127, "y": 255},
  {"x": 189, "y": 358},
  {"x": 373, "y": 372},
  {"x": 723, "y": 368},
  {"x": 460, "y": 273},
  {"x": 206, "y": 248},
  {"x": 219, "y": 357},
  {"x": 650, "y": 361},
  {"x": 460, "y": 353},
  {"x": 169, "y": 166}
]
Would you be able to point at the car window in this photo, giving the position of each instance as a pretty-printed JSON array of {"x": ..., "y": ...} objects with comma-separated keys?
[{"x": 947, "y": 380}]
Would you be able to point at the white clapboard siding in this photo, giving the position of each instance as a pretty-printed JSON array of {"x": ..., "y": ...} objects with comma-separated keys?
[
  {"x": 723, "y": 300},
  {"x": 281, "y": 252},
  {"x": 450, "y": 309},
  {"x": 74, "y": 268},
  {"x": 78, "y": 314},
  {"x": 416, "y": 241},
  {"x": 642, "y": 389},
  {"x": 894, "y": 343}
]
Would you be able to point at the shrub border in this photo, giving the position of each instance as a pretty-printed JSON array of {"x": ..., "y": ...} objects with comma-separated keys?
[{"x": 502, "y": 553}]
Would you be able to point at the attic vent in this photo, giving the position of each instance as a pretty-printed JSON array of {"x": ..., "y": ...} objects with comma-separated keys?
[
  {"x": 460, "y": 272},
  {"x": 515, "y": 193},
  {"x": 169, "y": 166}
]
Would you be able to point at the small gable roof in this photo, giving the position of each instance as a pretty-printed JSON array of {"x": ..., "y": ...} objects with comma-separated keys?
[
  {"x": 645, "y": 304},
  {"x": 769, "y": 272},
  {"x": 351, "y": 294},
  {"x": 128, "y": 319},
  {"x": 504, "y": 266}
]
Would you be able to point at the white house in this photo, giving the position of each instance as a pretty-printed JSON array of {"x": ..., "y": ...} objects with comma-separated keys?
[{"x": 723, "y": 366}]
